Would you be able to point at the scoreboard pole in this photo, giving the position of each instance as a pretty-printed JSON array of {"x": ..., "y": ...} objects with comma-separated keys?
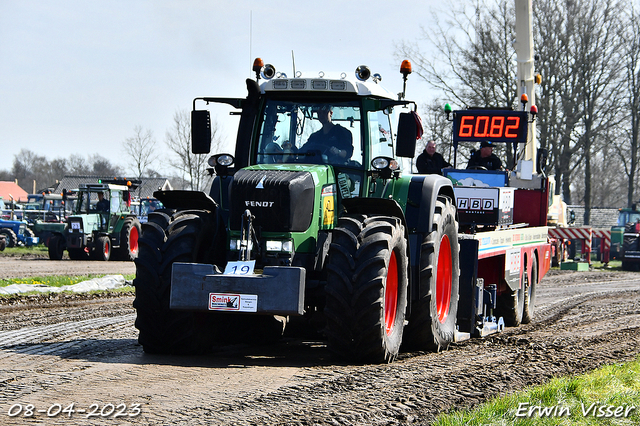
[{"x": 524, "y": 51}]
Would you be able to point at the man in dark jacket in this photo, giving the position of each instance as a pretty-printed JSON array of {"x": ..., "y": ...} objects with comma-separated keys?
[
  {"x": 429, "y": 161},
  {"x": 332, "y": 140},
  {"x": 485, "y": 158}
]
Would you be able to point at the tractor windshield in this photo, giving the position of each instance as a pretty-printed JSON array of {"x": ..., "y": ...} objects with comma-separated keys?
[
  {"x": 314, "y": 133},
  {"x": 626, "y": 217}
]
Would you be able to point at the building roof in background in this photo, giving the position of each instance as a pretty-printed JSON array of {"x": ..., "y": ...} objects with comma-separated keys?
[
  {"x": 146, "y": 189},
  {"x": 600, "y": 217},
  {"x": 19, "y": 194}
]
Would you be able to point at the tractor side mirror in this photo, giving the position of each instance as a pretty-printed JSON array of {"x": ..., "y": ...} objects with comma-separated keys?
[
  {"x": 200, "y": 132},
  {"x": 407, "y": 135}
]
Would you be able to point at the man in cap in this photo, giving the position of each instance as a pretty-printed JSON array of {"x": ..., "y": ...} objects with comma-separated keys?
[
  {"x": 429, "y": 161},
  {"x": 485, "y": 158}
]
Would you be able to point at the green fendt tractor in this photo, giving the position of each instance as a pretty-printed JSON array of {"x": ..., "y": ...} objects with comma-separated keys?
[
  {"x": 102, "y": 226},
  {"x": 307, "y": 226}
]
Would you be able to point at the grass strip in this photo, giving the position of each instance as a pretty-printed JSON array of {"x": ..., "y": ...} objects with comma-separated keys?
[{"x": 607, "y": 396}]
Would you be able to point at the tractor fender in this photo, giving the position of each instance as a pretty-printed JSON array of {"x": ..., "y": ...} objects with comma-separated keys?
[
  {"x": 181, "y": 200},
  {"x": 421, "y": 200},
  {"x": 388, "y": 207}
]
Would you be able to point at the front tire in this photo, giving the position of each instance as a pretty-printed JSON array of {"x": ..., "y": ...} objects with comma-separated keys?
[
  {"x": 102, "y": 249},
  {"x": 432, "y": 324},
  {"x": 56, "y": 247},
  {"x": 366, "y": 290},
  {"x": 189, "y": 236}
]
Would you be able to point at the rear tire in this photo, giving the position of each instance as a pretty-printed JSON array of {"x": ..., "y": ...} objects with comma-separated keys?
[
  {"x": 530, "y": 293},
  {"x": 10, "y": 237},
  {"x": 191, "y": 236},
  {"x": 129, "y": 237},
  {"x": 366, "y": 290},
  {"x": 432, "y": 324},
  {"x": 56, "y": 247}
]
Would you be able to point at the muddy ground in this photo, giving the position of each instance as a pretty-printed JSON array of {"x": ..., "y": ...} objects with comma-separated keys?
[{"x": 61, "y": 350}]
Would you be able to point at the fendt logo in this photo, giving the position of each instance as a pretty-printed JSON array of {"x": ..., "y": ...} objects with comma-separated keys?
[{"x": 258, "y": 203}]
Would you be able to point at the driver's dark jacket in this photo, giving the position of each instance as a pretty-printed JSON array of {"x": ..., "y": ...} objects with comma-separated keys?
[
  {"x": 338, "y": 136},
  {"x": 491, "y": 162}
]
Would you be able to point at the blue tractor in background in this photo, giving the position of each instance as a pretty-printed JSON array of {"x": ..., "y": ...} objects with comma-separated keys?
[{"x": 17, "y": 233}]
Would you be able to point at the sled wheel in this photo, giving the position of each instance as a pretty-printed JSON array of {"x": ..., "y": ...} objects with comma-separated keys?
[
  {"x": 510, "y": 304},
  {"x": 432, "y": 323},
  {"x": 530, "y": 293},
  {"x": 366, "y": 290}
]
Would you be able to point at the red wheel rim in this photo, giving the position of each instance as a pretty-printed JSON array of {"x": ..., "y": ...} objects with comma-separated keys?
[
  {"x": 106, "y": 249},
  {"x": 443, "y": 279},
  {"x": 391, "y": 294},
  {"x": 133, "y": 240}
]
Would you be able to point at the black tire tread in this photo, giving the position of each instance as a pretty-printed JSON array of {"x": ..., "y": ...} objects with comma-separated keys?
[
  {"x": 356, "y": 273},
  {"x": 10, "y": 237},
  {"x": 423, "y": 331},
  {"x": 187, "y": 236}
]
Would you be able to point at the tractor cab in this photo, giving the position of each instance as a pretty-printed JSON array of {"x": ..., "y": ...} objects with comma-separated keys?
[
  {"x": 99, "y": 206},
  {"x": 102, "y": 224},
  {"x": 306, "y": 147}
]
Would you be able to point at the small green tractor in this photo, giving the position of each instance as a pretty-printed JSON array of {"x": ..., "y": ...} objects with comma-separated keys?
[{"x": 102, "y": 226}]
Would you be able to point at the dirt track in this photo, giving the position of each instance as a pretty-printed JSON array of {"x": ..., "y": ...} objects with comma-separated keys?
[
  {"x": 32, "y": 266},
  {"x": 68, "y": 350}
]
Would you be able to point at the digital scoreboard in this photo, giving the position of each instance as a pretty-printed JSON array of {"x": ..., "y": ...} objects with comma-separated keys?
[{"x": 490, "y": 125}]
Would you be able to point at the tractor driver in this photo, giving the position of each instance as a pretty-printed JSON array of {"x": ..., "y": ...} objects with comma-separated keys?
[
  {"x": 485, "y": 158},
  {"x": 103, "y": 204},
  {"x": 332, "y": 140}
]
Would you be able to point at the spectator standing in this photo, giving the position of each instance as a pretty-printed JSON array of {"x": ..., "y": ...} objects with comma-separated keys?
[{"x": 430, "y": 161}]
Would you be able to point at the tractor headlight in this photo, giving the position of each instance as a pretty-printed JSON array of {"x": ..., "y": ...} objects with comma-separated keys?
[
  {"x": 381, "y": 163},
  {"x": 286, "y": 246},
  {"x": 221, "y": 160}
]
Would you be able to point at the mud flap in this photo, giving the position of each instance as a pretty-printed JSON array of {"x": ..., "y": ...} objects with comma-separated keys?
[{"x": 279, "y": 290}]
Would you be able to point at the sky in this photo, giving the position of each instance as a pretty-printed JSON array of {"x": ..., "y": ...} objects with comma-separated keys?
[{"x": 77, "y": 76}]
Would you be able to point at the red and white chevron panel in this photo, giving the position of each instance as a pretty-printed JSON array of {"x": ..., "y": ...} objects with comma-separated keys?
[
  {"x": 605, "y": 235},
  {"x": 583, "y": 233}
]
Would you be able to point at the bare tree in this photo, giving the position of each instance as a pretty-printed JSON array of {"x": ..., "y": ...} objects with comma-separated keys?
[
  {"x": 629, "y": 159},
  {"x": 192, "y": 167},
  {"x": 100, "y": 166},
  {"x": 77, "y": 165},
  {"x": 475, "y": 62},
  {"x": 141, "y": 150},
  {"x": 599, "y": 65}
]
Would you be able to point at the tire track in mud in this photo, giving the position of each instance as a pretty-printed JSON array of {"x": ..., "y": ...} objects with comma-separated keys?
[
  {"x": 91, "y": 355},
  {"x": 60, "y": 330}
]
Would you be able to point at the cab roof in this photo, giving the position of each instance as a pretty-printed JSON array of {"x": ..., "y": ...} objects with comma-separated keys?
[{"x": 342, "y": 85}]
